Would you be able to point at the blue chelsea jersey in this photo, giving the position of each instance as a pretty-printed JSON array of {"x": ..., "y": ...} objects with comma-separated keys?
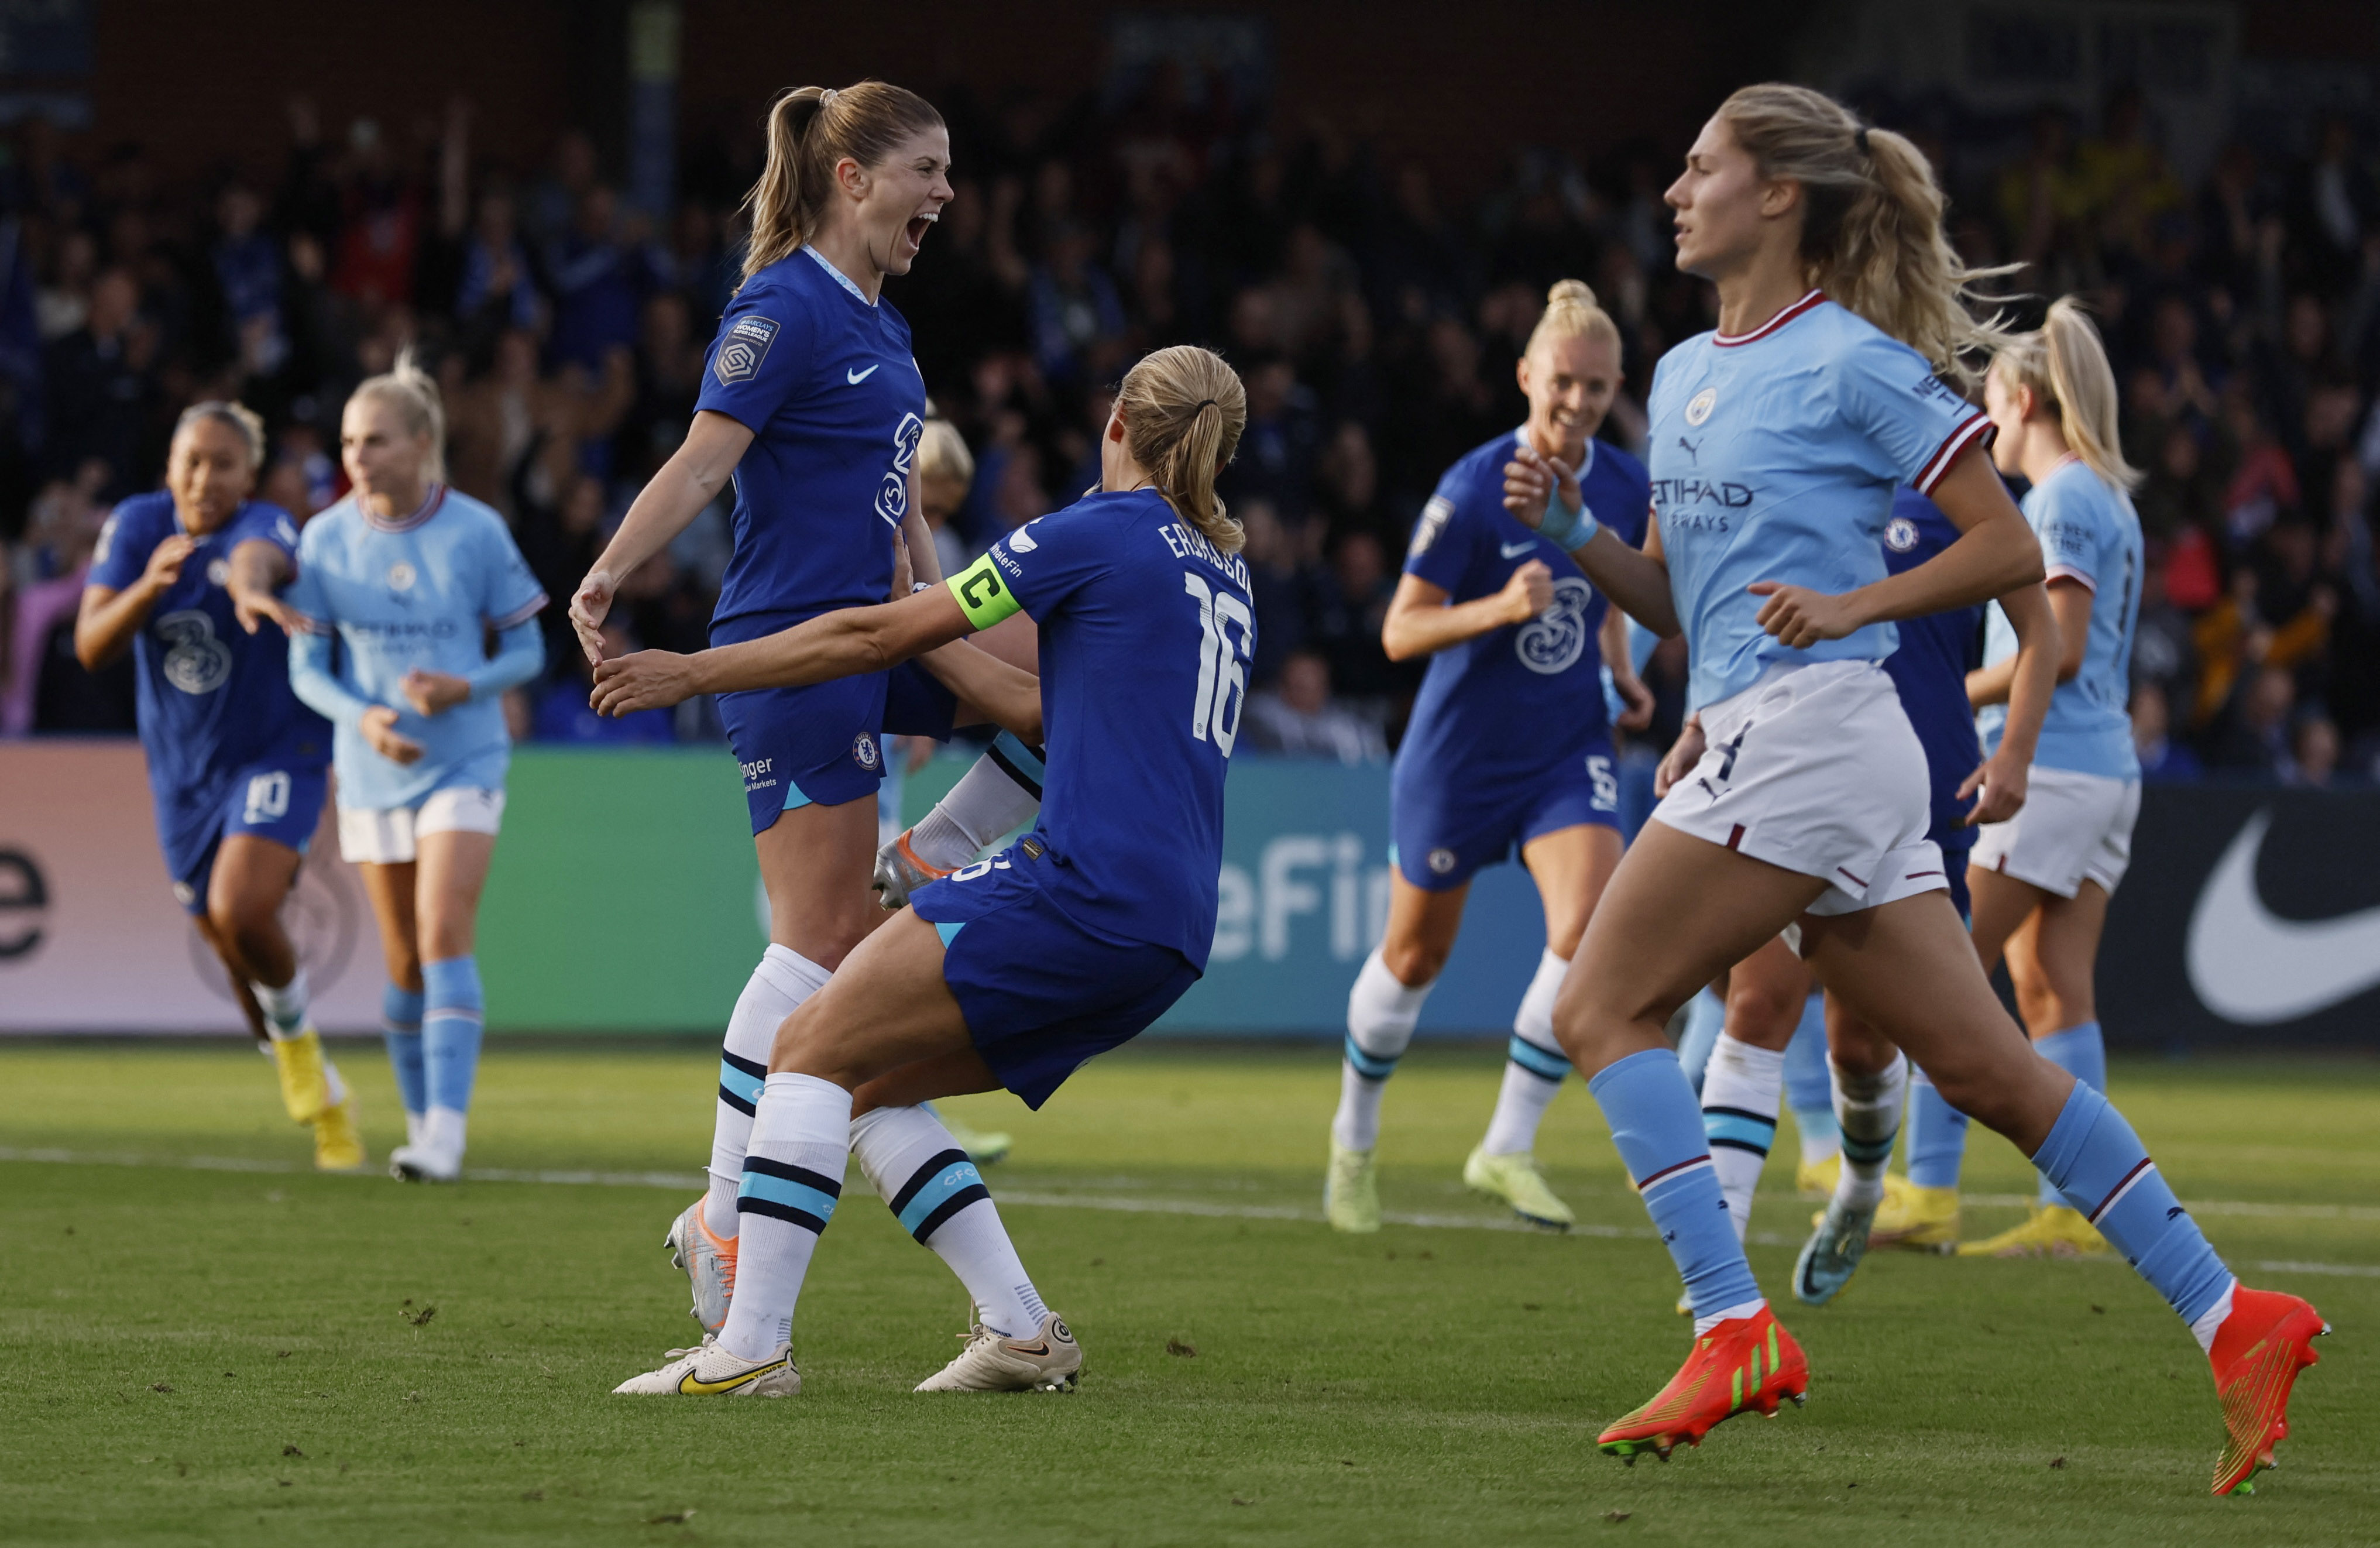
[
  {"x": 825, "y": 382},
  {"x": 1775, "y": 454},
  {"x": 1146, "y": 632},
  {"x": 2089, "y": 534},
  {"x": 1930, "y": 669},
  {"x": 1544, "y": 675},
  {"x": 212, "y": 698},
  {"x": 422, "y": 590}
]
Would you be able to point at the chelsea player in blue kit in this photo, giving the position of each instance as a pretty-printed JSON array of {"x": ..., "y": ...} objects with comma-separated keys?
[
  {"x": 237, "y": 767},
  {"x": 1777, "y": 444},
  {"x": 1012, "y": 971},
  {"x": 1516, "y": 638},
  {"x": 407, "y": 577}
]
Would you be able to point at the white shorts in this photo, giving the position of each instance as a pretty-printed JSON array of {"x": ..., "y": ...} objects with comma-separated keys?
[
  {"x": 1815, "y": 769},
  {"x": 2073, "y": 828},
  {"x": 385, "y": 837}
]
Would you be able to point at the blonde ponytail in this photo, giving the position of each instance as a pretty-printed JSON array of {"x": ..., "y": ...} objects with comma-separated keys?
[
  {"x": 1183, "y": 409},
  {"x": 810, "y": 129},
  {"x": 1572, "y": 310},
  {"x": 415, "y": 395},
  {"x": 1872, "y": 223},
  {"x": 2067, "y": 367}
]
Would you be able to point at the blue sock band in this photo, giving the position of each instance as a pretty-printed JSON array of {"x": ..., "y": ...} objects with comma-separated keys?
[
  {"x": 1546, "y": 1064},
  {"x": 1809, "y": 1088},
  {"x": 1658, "y": 1130},
  {"x": 1020, "y": 763},
  {"x": 400, "y": 1015},
  {"x": 1937, "y": 1136},
  {"x": 1371, "y": 1066},
  {"x": 1706, "y": 1018},
  {"x": 2093, "y": 1156},
  {"x": 450, "y": 1030},
  {"x": 2081, "y": 1052}
]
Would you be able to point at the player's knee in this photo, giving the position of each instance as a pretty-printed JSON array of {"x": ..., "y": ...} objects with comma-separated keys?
[{"x": 1414, "y": 962}]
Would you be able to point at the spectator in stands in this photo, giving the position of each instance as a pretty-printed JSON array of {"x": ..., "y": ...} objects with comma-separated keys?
[
  {"x": 2256, "y": 738},
  {"x": 2314, "y": 751},
  {"x": 945, "y": 472},
  {"x": 2163, "y": 760},
  {"x": 1299, "y": 719}
]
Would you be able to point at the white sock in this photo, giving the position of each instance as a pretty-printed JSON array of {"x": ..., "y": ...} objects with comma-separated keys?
[
  {"x": 993, "y": 798},
  {"x": 284, "y": 1008},
  {"x": 443, "y": 1128},
  {"x": 783, "y": 981},
  {"x": 1867, "y": 1109},
  {"x": 1381, "y": 1015},
  {"x": 1741, "y": 1088},
  {"x": 1534, "y": 1063},
  {"x": 417, "y": 1128},
  {"x": 801, "y": 1137},
  {"x": 1729, "y": 1314},
  {"x": 1820, "y": 1149},
  {"x": 2211, "y": 1321},
  {"x": 937, "y": 1194}
]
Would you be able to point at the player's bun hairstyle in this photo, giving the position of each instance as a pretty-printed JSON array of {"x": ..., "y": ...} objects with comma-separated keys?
[
  {"x": 810, "y": 129},
  {"x": 239, "y": 416},
  {"x": 1183, "y": 409},
  {"x": 942, "y": 453},
  {"x": 1572, "y": 310},
  {"x": 1871, "y": 224},
  {"x": 410, "y": 389},
  {"x": 2067, "y": 367}
]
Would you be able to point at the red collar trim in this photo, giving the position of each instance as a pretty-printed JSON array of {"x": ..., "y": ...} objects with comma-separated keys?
[
  {"x": 1729, "y": 341},
  {"x": 428, "y": 508}
]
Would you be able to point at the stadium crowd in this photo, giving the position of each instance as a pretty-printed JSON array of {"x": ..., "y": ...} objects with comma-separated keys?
[{"x": 1375, "y": 316}]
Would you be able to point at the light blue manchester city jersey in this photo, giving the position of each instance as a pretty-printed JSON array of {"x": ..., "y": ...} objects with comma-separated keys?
[
  {"x": 2089, "y": 534},
  {"x": 1774, "y": 455},
  {"x": 418, "y": 591}
]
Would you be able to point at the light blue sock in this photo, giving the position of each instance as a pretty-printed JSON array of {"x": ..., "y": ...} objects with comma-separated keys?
[
  {"x": 400, "y": 1016},
  {"x": 450, "y": 1030},
  {"x": 1706, "y": 1018},
  {"x": 2081, "y": 1052},
  {"x": 1937, "y": 1136},
  {"x": 1658, "y": 1130},
  {"x": 1809, "y": 1089},
  {"x": 2096, "y": 1160}
]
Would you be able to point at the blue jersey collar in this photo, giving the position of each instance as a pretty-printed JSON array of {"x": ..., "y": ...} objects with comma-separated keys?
[{"x": 840, "y": 277}]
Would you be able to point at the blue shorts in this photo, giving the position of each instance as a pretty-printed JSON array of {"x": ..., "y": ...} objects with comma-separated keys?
[
  {"x": 274, "y": 799},
  {"x": 1039, "y": 993},
  {"x": 823, "y": 744},
  {"x": 1446, "y": 827}
]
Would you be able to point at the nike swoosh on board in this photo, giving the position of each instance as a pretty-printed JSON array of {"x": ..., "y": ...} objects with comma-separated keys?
[
  {"x": 1514, "y": 550},
  {"x": 856, "y": 377},
  {"x": 2250, "y": 966}
]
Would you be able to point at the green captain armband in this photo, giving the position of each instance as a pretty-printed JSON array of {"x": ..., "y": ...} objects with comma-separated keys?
[{"x": 983, "y": 596}]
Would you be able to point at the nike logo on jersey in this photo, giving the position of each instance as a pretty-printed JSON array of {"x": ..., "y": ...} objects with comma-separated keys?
[
  {"x": 2251, "y": 965},
  {"x": 856, "y": 377},
  {"x": 1514, "y": 550}
]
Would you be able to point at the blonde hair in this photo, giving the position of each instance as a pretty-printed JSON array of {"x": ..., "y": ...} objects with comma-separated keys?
[
  {"x": 1183, "y": 409},
  {"x": 1572, "y": 311},
  {"x": 2067, "y": 367},
  {"x": 410, "y": 389},
  {"x": 942, "y": 453},
  {"x": 239, "y": 416},
  {"x": 1871, "y": 224},
  {"x": 810, "y": 129}
]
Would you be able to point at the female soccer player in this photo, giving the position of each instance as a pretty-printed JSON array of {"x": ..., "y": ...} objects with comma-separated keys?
[
  {"x": 237, "y": 766},
  {"x": 1514, "y": 637},
  {"x": 1777, "y": 442},
  {"x": 1014, "y": 970},
  {"x": 812, "y": 404},
  {"x": 410, "y": 575},
  {"x": 2042, "y": 880}
]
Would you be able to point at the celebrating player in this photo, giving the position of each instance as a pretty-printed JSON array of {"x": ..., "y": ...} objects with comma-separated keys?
[
  {"x": 237, "y": 766},
  {"x": 1514, "y": 637},
  {"x": 410, "y": 577},
  {"x": 1777, "y": 441},
  {"x": 812, "y": 403},
  {"x": 1012, "y": 972}
]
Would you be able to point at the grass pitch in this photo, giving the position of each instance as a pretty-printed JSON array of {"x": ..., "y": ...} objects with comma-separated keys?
[{"x": 230, "y": 1352}]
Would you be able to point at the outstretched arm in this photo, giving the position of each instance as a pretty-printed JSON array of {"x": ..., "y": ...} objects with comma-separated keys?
[
  {"x": 690, "y": 479},
  {"x": 259, "y": 569},
  {"x": 1009, "y": 696},
  {"x": 839, "y": 644}
]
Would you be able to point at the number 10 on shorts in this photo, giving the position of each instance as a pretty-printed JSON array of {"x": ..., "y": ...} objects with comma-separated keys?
[{"x": 268, "y": 797}]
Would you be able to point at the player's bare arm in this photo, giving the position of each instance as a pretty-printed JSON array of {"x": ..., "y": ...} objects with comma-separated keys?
[{"x": 839, "y": 644}]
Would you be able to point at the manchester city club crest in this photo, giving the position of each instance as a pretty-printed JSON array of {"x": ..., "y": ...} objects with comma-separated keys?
[
  {"x": 401, "y": 577},
  {"x": 1700, "y": 408}
]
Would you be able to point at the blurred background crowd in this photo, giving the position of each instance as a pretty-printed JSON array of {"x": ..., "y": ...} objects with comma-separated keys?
[{"x": 1375, "y": 312}]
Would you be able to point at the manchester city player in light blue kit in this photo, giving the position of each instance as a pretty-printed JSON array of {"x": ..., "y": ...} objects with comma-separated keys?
[
  {"x": 1012, "y": 971},
  {"x": 397, "y": 587},
  {"x": 1516, "y": 638},
  {"x": 237, "y": 767},
  {"x": 1777, "y": 441}
]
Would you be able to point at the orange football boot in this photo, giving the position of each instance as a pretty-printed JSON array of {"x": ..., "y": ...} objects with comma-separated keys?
[
  {"x": 2259, "y": 1350},
  {"x": 1745, "y": 1365}
]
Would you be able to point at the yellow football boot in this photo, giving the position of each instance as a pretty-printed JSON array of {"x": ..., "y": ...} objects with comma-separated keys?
[
  {"x": 1815, "y": 1179},
  {"x": 1924, "y": 1219},
  {"x": 304, "y": 1088},
  {"x": 338, "y": 1146},
  {"x": 2053, "y": 1232}
]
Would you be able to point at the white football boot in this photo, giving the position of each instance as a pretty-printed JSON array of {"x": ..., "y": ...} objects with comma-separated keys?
[
  {"x": 709, "y": 1262},
  {"x": 708, "y": 1371},
  {"x": 1049, "y": 1361}
]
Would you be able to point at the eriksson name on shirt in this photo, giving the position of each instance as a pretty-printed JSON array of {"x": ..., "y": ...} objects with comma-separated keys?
[{"x": 1189, "y": 543}]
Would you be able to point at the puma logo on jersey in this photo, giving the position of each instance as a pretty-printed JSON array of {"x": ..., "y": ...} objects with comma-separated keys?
[{"x": 856, "y": 377}]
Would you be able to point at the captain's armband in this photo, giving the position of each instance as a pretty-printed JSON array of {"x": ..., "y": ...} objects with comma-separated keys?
[{"x": 983, "y": 596}]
